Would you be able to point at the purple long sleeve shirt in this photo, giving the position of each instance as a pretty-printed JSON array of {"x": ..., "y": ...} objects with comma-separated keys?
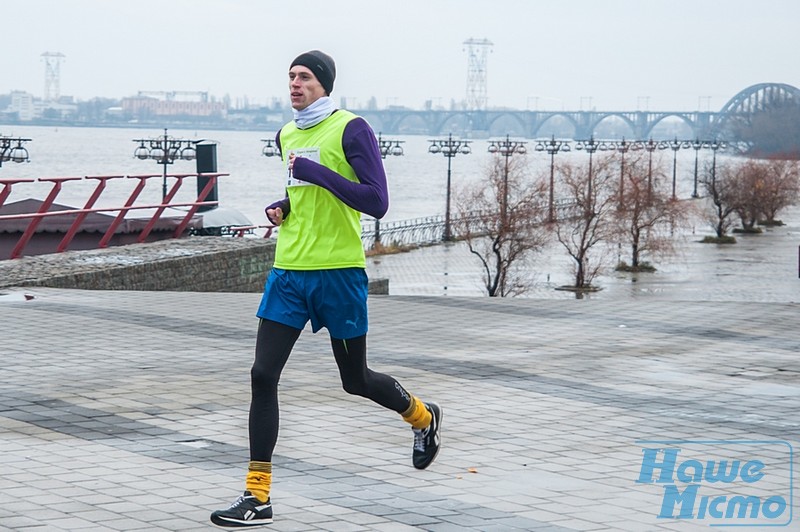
[{"x": 370, "y": 195}]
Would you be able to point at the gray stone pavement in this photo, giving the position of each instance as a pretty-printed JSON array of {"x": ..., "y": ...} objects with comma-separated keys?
[{"x": 128, "y": 411}]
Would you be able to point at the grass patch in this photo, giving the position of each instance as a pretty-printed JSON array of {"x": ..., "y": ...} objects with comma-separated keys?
[
  {"x": 771, "y": 223},
  {"x": 726, "y": 239},
  {"x": 643, "y": 267},
  {"x": 578, "y": 289}
]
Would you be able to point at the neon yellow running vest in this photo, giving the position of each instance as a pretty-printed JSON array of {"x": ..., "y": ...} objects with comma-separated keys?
[{"x": 321, "y": 232}]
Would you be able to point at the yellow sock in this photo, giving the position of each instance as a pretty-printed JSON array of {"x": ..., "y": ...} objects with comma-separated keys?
[
  {"x": 417, "y": 415},
  {"x": 259, "y": 479}
]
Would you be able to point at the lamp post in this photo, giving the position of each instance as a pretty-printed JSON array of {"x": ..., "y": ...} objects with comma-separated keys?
[
  {"x": 12, "y": 149},
  {"x": 165, "y": 150},
  {"x": 270, "y": 148},
  {"x": 449, "y": 147},
  {"x": 650, "y": 146},
  {"x": 386, "y": 147},
  {"x": 590, "y": 146},
  {"x": 696, "y": 144},
  {"x": 552, "y": 147},
  {"x": 675, "y": 145},
  {"x": 506, "y": 148},
  {"x": 715, "y": 145},
  {"x": 622, "y": 147},
  {"x": 389, "y": 146}
]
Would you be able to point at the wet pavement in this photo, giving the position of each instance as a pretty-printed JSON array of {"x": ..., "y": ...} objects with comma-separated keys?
[{"x": 128, "y": 410}]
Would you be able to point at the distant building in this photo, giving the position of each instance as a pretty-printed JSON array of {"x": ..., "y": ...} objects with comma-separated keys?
[
  {"x": 24, "y": 106},
  {"x": 194, "y": 104},
  {"x": 28, "y": 108}
]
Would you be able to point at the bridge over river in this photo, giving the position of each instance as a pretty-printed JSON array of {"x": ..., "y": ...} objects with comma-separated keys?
[{"x": 583, "y": 124}]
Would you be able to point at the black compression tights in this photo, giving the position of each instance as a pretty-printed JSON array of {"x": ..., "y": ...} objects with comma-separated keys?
[{"x": 273, "y": 345}]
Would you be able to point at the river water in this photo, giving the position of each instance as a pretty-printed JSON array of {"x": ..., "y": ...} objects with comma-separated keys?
[
  {"x": 417, "y": 180},
  {"x": 762, "y": 267}
]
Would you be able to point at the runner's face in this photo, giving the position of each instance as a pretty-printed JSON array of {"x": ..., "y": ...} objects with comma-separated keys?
[{"x": 304, "y": 87}]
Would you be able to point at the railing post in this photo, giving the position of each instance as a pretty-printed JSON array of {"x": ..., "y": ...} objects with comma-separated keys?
[
  {"x": 7, "y": 187},
  {"x": 210, "y": 185},
  {"x": 101, "y": 185},
  {"x": 160, "y": 210},
  {"x": 124, "y": 210},
  {"x": 31, "y": 229}
]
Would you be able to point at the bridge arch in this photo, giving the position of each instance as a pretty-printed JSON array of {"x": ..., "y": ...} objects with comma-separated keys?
[
  {"x": 552, "y": 119},
  {"x": 454, "y": 122},
  {"x": 515, "y": 119},
  {"x": 648, "y": 132},
  {"x": 614, "y": 116},
  {"x": 761, "y": 97},
  {"x": 410, "y": 124}
]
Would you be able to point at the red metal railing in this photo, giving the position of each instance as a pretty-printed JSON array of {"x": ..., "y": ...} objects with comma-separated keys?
[
  {"x": 81, "y": 214},
  {"x": 7, "y": 184},
  {"x": 240, "y": 230}
]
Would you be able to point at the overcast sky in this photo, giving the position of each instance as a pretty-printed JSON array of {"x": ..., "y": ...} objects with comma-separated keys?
[{"x": 546, "y": 54}]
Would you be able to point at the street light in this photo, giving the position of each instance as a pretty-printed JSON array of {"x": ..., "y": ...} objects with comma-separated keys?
[
  {"x": 622, "y": 147},
  {"x": 590, "y": 146},
  {"x": 386, "y": 147},
  {"x": 650, "y": 146},
  {"x": 270, "y": 148},
  {"x": 552, "y": 147},
  {"x": 675, "y": 145},
  {"x": 12, "y": 149},
  {"x": 449, "y": 147},
  {"x": 715, "y": 145},
  {"x": 506, "y": 148},
  {"x": 165, "y": 150},
  {"x": 696, "y": 144},
  {"x": 389, "y": 147}
]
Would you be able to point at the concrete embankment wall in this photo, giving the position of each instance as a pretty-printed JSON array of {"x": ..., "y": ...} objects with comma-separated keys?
[{"x": 194, "y": 264}]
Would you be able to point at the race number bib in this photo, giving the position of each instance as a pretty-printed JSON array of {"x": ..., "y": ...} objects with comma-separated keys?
[{"x": 309, "y": 153}]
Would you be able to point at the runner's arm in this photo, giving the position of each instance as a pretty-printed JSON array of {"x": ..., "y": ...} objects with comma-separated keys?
[{"x": 370, "y": 194}]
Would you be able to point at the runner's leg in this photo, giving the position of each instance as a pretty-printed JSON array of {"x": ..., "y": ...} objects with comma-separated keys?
[{"x": 358, "y": 379}]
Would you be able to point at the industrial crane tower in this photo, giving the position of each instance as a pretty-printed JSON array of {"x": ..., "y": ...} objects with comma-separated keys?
[
  {"x": 52, "y": 75},
  {"x": 477, "y": 50}
]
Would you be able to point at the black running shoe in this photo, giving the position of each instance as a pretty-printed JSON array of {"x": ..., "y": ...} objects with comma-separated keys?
[
  {"x": 247, "y": 510},
  {"x": 426, "y": 441}
]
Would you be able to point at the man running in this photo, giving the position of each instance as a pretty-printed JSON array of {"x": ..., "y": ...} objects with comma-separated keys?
[{"x": 334, "y": 173}]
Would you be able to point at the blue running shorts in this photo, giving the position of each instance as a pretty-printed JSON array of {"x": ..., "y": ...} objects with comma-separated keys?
[{"x": 334, "y": 299}]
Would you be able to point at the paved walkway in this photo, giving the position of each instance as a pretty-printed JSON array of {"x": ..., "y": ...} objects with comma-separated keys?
[{"x": 128, "y": 411}]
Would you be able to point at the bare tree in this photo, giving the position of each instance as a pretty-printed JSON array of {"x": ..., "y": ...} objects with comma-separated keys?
[
  {"x": 503, "y": 239},
  {"x": 781, "y": 188},
  {"x": 647, "y": 216},
  {"x": 719, "y": 186},
  {"x": 757, "y": 190},
  {"x": 746, "y": 190},
  {"x": 592, "y": 190}
]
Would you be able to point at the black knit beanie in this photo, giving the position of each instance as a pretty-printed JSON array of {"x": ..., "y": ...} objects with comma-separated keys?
[{"x": 321, "y": 65}]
